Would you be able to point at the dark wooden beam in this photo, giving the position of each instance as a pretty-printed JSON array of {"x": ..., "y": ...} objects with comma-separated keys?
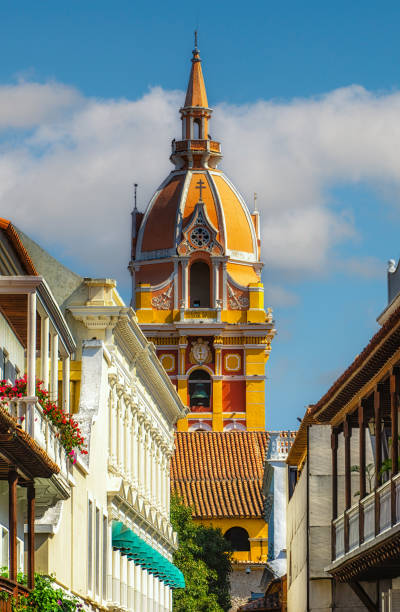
[
  {"x": 347, "y": 461},
  {"x": 31, "y": 535},
  {"x": 361, "y": 425},
  {"x": 12, "y": 522},
  {"x": 334, "y": 447},
  {"x": 394, "y": 410},
  {"x": 378, "y": 434},
  {"x": 363, "y": 597}
]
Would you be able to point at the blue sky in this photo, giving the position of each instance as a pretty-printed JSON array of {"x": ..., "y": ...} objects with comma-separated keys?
[{"x": 89, "y": 93}]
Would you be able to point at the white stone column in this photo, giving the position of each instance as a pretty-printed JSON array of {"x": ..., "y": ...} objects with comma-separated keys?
[
  {"x": 31, "y": 346},
  {"x": 150, "y": 591},
  {"x": 113, "y": 427},
  {"x": 156, "y": 595},
  {"x": 138, "y": 588},
  {"x": 159, "y": 478},
  {"x": 176, "y": 276},
  {"x": 224, "y": 286},
  {"x": 148, "y": 465},
  {"x": 54, "y": 368},
  {"x": 124, "y": 580},
  {"x": 128, "y": 441},
  {"x": 135, "y": 451},
  {"x": 185, "y": 282},
  {"x": 109, "y": 577},
  {"x": 162, "y": 596},
  {"x": 131, "y": 586},
  {"x": 145, "y": 601},
  {"x": 66, "y": 373},
  {"x": 141, "y": 457},
  {"x": 44, "y": 351},
  {"x": 116, "y": 577},
  {"x": 215, "y": 265}
]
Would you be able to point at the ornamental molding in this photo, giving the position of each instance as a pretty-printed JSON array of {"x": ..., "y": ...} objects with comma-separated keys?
[
  {"x": 237, "y": 301},
  {"x": 163, "y": 301},
  {"x": 200, "y": 234},
  {"x": 200, "y": 352}
]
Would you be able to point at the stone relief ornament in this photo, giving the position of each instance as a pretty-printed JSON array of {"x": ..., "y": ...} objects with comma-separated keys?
[
  {"x": 237, "y": 301},
  {"x": 163, "y": 301},
  {"x": 200, "y": 352}
]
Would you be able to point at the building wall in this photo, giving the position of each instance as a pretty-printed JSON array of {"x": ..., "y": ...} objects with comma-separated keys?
[
  {"x": 125, "y": 476},
  {"x": 258, "y": 535},
  {"x": 296, "y": 541}
]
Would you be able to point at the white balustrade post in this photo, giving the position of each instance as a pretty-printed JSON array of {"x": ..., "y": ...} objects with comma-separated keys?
[
  {"x": 54, "y": 368},
  {"x": 31, "y": 346},
  {"x": 44, "y": 351},
  {"x": 66, "y": 374}
]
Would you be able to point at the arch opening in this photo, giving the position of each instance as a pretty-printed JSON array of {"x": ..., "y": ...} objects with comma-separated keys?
[
  {"x": 200, "y": 390},
  {"x": 238, "y": 538},
  {"x": 197, "y": 129},
  {"x": 199, "y": 285}
]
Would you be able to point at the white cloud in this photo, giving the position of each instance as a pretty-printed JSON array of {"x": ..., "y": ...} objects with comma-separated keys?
[{"x": 67, "y": 163}]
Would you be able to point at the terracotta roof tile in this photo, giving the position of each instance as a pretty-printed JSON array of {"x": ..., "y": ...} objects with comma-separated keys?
[{"x": 220, "y": 474}]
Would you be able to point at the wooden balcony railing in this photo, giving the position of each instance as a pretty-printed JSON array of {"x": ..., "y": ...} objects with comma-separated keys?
[
  {"x": 11, "y": 589},
  {"x": 196, "y": 145},
  {"x": 377, "y": 513}
]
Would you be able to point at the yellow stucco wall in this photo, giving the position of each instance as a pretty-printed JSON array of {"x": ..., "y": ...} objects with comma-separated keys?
[{"x": 256, "y": 528}]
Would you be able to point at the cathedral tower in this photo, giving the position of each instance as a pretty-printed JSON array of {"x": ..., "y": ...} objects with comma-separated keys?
[{"x": 196, "y": 280}]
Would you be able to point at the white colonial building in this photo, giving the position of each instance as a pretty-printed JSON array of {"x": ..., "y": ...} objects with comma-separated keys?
[{"x": 106, "y": 534}]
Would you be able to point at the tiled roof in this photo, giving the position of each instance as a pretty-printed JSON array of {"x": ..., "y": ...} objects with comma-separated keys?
[
  {"x": 14, "y": 238},
  {"x": 220, "y": 474},
  {"x": 375, "y": 355}
]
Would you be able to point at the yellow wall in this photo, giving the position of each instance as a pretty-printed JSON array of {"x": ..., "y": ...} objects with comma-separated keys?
[{"x": 256, "y": 528}]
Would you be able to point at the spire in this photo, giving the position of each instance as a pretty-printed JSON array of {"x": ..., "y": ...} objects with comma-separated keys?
[{"x": 196, "y": 92}]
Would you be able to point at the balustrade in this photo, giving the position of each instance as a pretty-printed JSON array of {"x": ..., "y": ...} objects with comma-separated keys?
[
  {"x": 370, "y": 517},
  {"x": 31, "y": 419}
]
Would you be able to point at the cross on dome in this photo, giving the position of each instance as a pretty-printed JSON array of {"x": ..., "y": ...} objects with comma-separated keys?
[{"x": 200, "y": 185}]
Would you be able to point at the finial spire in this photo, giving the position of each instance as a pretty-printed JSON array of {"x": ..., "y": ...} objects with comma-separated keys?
[
  {"x": 196, "y": 92},
  {"x": 255, "y": 202},
  {"x": 135, "y": 186}
]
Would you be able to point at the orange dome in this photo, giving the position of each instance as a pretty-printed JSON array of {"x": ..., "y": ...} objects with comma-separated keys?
[{"x": 173, "y": 206}]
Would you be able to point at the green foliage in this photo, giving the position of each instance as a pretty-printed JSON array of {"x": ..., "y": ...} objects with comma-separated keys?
[
  {"x": 45, "y": 597},
  {"x": 204, "y": 558}
]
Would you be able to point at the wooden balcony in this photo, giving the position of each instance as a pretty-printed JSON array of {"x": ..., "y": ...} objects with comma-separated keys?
[
  {"x": 366, "y": 537},
  {"x": 13, "y": 589}
]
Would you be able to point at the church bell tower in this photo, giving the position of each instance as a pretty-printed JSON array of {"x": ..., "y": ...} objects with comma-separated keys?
[{"x": 196, "y": 280}]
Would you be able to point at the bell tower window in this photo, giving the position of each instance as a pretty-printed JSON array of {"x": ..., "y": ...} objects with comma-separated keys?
[
  {"x": 200, "y": 389},
  {"x": 197, "y": 131},
  {"x": 199, "y": 285}
]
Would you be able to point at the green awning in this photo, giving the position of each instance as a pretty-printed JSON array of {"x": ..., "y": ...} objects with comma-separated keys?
[{"x": 141, "y": 553}]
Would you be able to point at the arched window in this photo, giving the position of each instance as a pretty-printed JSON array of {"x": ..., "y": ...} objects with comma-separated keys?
[
  {"x": 200, "y": 426},
  {"x": 200, "y": 389},
  {"x": 234, "y": 426},
  {"x": 197, "y": 129},
  {"x": 199, "y": 285},
  {"x": 238, "y": 538}
]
